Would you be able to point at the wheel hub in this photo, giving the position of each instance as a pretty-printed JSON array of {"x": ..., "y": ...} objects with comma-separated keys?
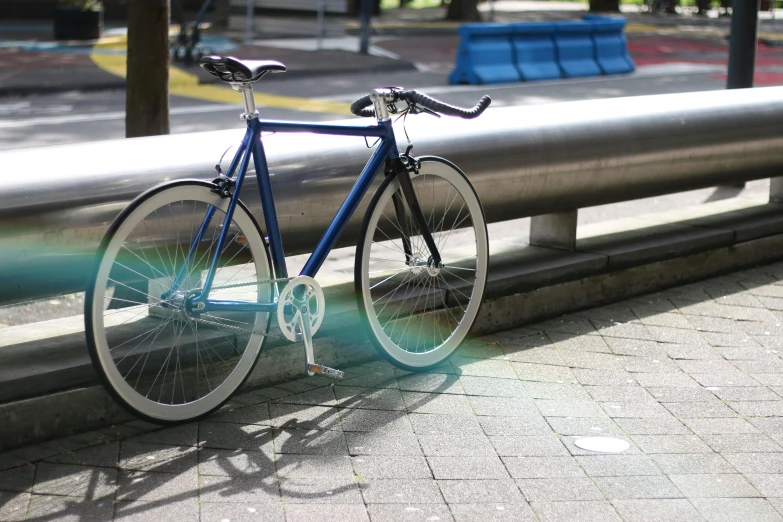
[
  {"x": 417, "y": 264},
  {"x": 433, "y": 268},
  {"x": 175, "y": 301}
]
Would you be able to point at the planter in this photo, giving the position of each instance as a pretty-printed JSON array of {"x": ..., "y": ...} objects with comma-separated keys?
[{"x": 77, "y": 24}]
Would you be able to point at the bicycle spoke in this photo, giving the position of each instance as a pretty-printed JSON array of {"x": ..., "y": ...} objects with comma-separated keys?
[
  {"x": 409, "y": 315},
  {"x": 162, "y": 352}
]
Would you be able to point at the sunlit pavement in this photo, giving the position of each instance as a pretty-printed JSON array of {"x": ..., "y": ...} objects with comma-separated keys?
[{"x": 691, "y": 378}]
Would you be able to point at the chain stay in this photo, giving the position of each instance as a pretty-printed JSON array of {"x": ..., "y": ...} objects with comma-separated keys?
[
  {"x": 257, "y": 283},
  {"x": 198, "y": 319}
]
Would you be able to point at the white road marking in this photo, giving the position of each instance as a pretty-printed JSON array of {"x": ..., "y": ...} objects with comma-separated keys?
[
  {"x": 106, "y": 116},
  {"x": 10, "y": 108},
  {"x": 668, "y": 69}
]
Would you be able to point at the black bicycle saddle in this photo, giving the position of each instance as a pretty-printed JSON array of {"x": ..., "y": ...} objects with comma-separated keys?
[{"x": 230, "y": 69}]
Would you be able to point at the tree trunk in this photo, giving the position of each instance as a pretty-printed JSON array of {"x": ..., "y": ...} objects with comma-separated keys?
[
  {"x": 147, "y": 98},
  {"x": 605, "y": 5},
  {"x": 463, "y": 10},
  {"x": 354, "y": 7}
]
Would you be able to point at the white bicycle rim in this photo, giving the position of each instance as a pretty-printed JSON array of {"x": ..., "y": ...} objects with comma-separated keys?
[
  {"x": 210, "y": 401},
  {"x": 434, "y": 169}
]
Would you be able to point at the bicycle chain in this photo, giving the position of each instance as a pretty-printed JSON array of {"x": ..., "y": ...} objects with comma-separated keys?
[{"x": 239, "y": 285}]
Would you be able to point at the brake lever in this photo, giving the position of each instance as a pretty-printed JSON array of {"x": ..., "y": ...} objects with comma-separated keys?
[
  {"x": 417, "y": 109},
  {"x": 430, "y": 111}
]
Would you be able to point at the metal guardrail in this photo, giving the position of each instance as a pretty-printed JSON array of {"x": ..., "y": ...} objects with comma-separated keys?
[{"x": 56, "y": 202}]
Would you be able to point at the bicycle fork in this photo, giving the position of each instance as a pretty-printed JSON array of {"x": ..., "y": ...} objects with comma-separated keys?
[{"x": 403, "y": 169}]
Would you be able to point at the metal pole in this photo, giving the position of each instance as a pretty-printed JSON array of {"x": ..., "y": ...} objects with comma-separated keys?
[
  {"x": 742, "y": 49},
  {"x": 577, "y": 154},
  {"x": 491, "y": 10},
  {"x": 365, "y": 13},
  {"x": 742, "y": 46},
  {"x": 320, "y": 23},
  {"x": 249, "y": 22}
]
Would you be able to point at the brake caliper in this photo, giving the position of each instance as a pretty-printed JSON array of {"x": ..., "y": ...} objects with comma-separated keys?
[
  {"x": 410, "y": 163},
  {"x": 224, "y": 186}
]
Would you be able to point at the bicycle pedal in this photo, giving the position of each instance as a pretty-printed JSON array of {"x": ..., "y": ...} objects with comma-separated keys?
[{"x": 325, "y": 370}]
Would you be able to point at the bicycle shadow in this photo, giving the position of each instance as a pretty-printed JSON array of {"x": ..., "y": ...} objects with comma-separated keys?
[{"x": 290, "y": 457}]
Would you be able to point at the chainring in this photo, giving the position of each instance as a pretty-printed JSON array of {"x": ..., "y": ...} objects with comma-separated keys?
[{"x": 302, "y": 293}]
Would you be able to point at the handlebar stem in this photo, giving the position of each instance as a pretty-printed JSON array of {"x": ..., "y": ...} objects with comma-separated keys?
[{"x": 380, "y": 98}]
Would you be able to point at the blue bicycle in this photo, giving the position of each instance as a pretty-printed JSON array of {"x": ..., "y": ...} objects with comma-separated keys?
[{"x": 186, "y": 281}]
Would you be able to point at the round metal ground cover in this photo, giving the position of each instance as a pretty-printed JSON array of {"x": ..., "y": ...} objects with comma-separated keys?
[{"x": 602, "y": 444}]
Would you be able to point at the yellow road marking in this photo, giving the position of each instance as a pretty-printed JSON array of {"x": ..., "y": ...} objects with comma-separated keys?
[{"x": 109, "y": 55}]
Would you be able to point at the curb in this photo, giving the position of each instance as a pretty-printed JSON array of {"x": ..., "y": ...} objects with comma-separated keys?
[
  {"x": 526, "y": 284},
  {"x": 56, "y": 89},
  {"x": 119, "y": 83}
]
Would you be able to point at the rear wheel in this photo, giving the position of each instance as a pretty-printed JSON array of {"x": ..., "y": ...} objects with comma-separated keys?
[
  {"x": 417, "y": 313},
  {"x": 160, "y": 361}
]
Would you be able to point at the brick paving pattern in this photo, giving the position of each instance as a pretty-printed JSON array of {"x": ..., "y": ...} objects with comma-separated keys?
[{"x": 691, "y": 378}]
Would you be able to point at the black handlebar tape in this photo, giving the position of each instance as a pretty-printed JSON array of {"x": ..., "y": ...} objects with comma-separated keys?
[
  {"x": 444, "y": 108},
  {"x": 359, "y": 107}
]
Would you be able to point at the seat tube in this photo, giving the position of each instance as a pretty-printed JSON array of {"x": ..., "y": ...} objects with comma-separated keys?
[
  {"x": 252, "y": 136},
  {"x": 207, "y": 220},
  {"x": 268, "y": 205}
]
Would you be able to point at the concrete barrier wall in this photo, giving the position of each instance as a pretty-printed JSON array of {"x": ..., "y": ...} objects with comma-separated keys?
[{"x": 505, "y": 53}]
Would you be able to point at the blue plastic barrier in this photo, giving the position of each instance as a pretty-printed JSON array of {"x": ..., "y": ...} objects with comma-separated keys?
[
  {"x": 500, "y": 53},
  {"x": 611, "y": 46},
  {"x": 484, "y": 55},
  {"x": 576, "y": 49},
  {"x": 534, "y": 51}
]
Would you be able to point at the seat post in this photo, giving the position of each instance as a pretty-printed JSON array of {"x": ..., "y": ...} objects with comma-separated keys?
[{"x": 246, "y": 88}]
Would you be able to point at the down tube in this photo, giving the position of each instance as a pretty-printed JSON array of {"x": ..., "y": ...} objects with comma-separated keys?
[{"x": 348, "y": 207}]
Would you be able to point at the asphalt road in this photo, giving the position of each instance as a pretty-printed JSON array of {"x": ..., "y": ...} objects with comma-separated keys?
[{"x": 72, "y": 117}]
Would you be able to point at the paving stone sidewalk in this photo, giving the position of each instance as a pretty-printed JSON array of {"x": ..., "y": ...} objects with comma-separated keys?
[{"x": 691, "y": 378}]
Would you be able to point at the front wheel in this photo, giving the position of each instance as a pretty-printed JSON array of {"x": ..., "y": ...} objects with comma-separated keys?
[
  {"x": 158, "y": 359},
  {"x": 417, "y": 312}
]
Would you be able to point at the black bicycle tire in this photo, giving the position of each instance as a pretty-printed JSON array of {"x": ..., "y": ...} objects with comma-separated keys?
[
  {"x": 357, "y": 275},
  {"x": 90, "y": 291}
]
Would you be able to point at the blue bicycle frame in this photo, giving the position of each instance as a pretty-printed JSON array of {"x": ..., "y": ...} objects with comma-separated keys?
[{"x": 252, "y": 145}]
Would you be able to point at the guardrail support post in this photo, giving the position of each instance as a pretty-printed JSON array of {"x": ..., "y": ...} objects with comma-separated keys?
[
  {"x": 776, "y": 190},
  {"x": 556, "y": 230}
]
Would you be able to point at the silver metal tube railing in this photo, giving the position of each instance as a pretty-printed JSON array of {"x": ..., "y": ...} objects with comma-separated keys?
[{"x": 56, "y": 202}]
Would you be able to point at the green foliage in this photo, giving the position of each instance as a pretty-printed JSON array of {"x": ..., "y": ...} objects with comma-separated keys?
[
  {"x": 423, "y": 4},
  {"x": 85, "y": 5}
]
